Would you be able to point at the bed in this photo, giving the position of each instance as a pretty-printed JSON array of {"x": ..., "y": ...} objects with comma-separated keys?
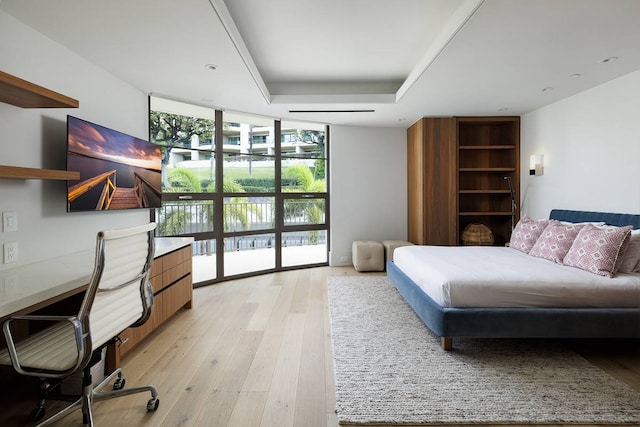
[{"x": 589, "y": 307}]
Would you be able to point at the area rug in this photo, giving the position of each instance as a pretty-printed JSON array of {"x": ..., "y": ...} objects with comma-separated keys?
[{"x": 390, "y": 369}]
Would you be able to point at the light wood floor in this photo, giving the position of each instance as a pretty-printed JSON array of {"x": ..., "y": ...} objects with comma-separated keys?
[{"x": 253, "y": 352}]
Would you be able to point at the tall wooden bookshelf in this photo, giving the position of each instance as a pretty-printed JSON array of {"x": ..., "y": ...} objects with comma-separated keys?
[{"x": 456, "y": 173}]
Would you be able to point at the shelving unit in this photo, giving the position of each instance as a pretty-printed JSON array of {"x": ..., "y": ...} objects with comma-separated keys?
[
  {"x": 488, "y": 151},
  {"x": 21, "y": 93},
  {"x": 456, "y": 176}
]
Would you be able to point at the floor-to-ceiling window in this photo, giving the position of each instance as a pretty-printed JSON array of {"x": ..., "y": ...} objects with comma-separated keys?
[
  {"x": 251, "y": 190},
  {"x": 303, "y": 194},
  {"x": 248, "y": 191}
]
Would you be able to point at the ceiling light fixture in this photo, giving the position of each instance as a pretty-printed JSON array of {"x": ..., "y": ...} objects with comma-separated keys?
[
  {"x": 547, "y": 89},
  {"x": 575, "y": 75},
  {"x": 609, "y": 59},
  {"x": 211, "y": 67}
]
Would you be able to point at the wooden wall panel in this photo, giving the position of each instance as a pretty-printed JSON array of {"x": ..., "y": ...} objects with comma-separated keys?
[
  {"x": 440, "y": 187},
  {"x": 415, "y": 184}
]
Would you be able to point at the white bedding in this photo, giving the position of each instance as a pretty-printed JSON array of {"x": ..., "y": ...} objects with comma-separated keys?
[{"x": 490, "y": 276}]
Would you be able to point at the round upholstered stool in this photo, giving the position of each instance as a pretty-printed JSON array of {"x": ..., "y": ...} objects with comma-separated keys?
[{"x": 368, "y": 255}]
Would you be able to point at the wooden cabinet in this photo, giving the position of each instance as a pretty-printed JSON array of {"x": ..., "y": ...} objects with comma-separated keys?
[
  {"x": 431, "y": 173},
  {"x": 172, "y": 285},
  {"x": 456, "y": 169}
]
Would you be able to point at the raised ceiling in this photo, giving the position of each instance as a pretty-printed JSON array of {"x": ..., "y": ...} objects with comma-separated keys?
[{"x": 396, "y": 60}]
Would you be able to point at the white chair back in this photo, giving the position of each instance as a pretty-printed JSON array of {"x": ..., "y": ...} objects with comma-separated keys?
[{"x": 122, "y": 292}]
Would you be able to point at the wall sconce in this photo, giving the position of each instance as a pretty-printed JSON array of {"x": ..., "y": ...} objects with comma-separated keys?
[{"x": 535, "y": 164}]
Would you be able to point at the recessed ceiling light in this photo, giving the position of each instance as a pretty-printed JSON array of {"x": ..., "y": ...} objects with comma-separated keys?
[
  {"x": 211, "y": 67},
  {"x": 575, "y": 75},
  {"x": 609, "y": 59},
  {"x": 547, "y": 89}
]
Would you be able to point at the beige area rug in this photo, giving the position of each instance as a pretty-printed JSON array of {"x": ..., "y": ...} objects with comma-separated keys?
[{"x": 390, "y": 369}]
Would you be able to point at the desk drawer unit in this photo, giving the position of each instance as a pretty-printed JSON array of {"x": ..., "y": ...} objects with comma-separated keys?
[{"x": 172, "y": 285}]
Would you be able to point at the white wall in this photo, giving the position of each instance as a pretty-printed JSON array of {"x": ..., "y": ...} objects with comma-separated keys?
[
  {"x": 368, "y": 165},
  {"x": 591, "y": 148},
  {"x": 37, "y": 138},
  {"x": 368, "y": 187}
]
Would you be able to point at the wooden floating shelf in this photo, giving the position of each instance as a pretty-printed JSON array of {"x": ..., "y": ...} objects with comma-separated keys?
[
  {"x": 486, "y": 169},
  {"x": 15, "y": 172},
  {"x": 21, "y": 93},
  {"x": 487, "y": 147},
  {"x": 484, "y": 192},
  {"x": 485, "y": 213}
]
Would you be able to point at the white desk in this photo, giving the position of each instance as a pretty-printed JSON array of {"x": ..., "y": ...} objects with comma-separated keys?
[{"x": 31, "y": 286}]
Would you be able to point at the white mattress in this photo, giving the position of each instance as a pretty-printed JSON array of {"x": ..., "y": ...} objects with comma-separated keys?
[{"x": 490, "y": 276}]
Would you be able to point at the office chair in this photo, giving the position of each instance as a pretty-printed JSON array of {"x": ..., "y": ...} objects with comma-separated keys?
[{"x": 119, "y": 295}]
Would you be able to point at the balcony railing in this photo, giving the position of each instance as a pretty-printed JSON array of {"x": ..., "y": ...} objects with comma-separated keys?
[{"x": 192, "y": 217}]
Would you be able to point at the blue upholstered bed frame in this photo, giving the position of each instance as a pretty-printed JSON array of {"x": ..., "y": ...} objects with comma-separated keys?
[{"x": 450, "y": 323}]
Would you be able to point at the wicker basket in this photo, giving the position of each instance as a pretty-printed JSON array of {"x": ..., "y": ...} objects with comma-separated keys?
[{"x": 477, "y": 235}]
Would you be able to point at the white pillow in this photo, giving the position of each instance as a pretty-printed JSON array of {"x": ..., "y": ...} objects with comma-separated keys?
[{"x": 631, "y": 259}]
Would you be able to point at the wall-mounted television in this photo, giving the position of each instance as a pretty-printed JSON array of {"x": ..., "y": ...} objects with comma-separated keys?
[{"x": 117, "y": 171}]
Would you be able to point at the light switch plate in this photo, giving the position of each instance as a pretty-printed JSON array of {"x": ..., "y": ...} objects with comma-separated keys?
[{"x": 9, "y": 221}]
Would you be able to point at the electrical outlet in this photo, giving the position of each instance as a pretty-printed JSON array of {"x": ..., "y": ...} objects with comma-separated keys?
[
  {"x": 10, "y": 252},
  {"x": 9, "y": 221}
]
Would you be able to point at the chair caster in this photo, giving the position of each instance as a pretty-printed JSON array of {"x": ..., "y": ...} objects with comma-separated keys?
[
  {"x": 119, "y": 384},
  {"x": 37, "y": 414},
  {"x": 153, "y": 404}
]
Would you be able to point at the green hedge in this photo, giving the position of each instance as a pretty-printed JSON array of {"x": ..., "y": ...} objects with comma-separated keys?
[{"x": 253, "y": 185}]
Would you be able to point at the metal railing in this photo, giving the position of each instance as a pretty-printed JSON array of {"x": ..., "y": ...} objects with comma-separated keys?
[{"x": 192, "y": 217}]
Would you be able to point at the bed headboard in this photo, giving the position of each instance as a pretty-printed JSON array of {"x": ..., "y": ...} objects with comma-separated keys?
[{"x": 616, "y": 219}]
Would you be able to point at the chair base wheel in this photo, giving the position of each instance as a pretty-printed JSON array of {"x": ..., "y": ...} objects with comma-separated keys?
[
  {"x": 37, "y": 414},
  {"x": 153, "y": 404},
  {"x": 119, "y": 384}
]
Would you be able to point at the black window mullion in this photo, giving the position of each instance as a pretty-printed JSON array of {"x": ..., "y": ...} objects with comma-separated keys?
[
  {"x": 279, "y": 202},
  {"x": 218, "y": 204}
]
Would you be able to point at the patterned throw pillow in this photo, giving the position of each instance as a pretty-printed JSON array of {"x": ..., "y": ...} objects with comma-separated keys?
[
  {"x": 598, "y": 250},
  {"x": 555, "y": 241},
  {"x": 526, "y": 232}
]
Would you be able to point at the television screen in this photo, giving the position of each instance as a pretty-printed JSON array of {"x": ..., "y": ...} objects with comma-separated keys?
[{"x": 117, "y": 171}]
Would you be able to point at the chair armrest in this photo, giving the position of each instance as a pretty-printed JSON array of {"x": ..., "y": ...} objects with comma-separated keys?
[
  {"x": 34, "y": 317},
  {"x": 13, "y": 352}
]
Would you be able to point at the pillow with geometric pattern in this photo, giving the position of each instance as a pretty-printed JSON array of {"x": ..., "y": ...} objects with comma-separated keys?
[
  {"x": 526, "y": 233},
  {"x": 599, "y": 250},
  {"x": 555, "y": 241}
]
